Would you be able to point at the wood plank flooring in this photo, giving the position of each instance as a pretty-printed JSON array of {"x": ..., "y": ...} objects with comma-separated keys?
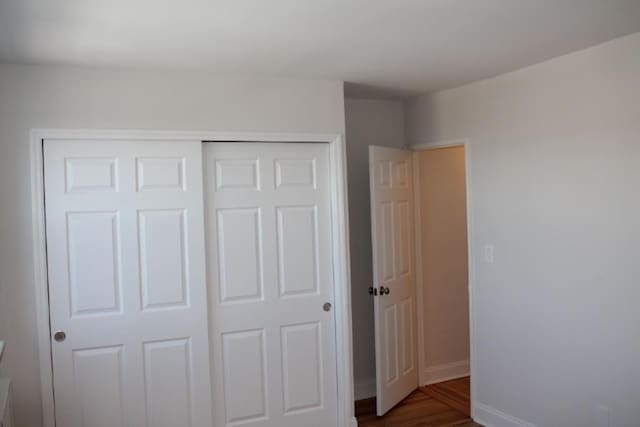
[
  {"x": 423, "y": 408},
  {"x": 455, "y": 393}
]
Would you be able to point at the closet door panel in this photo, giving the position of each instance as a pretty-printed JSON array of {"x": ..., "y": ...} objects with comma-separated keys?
[
  {"x": 270, "y": 274},
  {"x": 127, "y": 283}
]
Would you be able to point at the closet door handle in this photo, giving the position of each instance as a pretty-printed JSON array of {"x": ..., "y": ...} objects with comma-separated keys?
[{"x": 384, "y": 291}]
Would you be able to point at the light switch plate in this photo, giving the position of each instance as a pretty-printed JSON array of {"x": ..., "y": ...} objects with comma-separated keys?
[{"x": 488, "y": 254}]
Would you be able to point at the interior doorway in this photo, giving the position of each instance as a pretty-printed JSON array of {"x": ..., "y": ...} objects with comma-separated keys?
[
  {"x": 442, "y": 268},
  {"x": 442, "y": 274},
  {"x": 420, "y": 232}
]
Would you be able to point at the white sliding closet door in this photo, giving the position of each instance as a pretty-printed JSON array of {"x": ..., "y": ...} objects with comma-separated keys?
[
  {"x": 270, "y": 277},
  {"x": 125, "y": 249},
  {"x": 392, "y": 229}
]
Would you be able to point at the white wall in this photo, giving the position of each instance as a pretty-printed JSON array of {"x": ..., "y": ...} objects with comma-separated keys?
[
  {"x": 52, "y": 97},
  {"x": 445, "y": 283},
  {"x": 555, "y": 181},
  {"x": 369, "y": 122}
]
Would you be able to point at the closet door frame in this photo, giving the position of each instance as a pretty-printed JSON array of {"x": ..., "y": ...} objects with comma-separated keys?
[{"x": 340, "y": 244}]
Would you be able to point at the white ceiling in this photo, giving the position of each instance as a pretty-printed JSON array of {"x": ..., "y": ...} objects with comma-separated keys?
[{"x": 393, "y": 47}]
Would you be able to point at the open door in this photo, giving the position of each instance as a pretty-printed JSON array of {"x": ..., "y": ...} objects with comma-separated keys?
[{"x": 394, "y": 291}]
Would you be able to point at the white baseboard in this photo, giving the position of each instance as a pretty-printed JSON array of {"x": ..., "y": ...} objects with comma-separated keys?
[
  {"x": 445, "y": 372},
  {"x": 354, "y": 422},
  {"x": 364, "y": 389},
  {"x": 491, "y": 417}
]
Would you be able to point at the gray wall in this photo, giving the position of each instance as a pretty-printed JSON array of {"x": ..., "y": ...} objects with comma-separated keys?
[
  {"x": 555, "y": 182},
  {"x": 369, "y": 122},
  {"x": 53, "y": 97}
]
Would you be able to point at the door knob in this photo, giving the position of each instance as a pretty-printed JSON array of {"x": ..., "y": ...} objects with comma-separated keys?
[
  {"x": 384, "y": 291},
  {"x": 59, "y": 336},
  {"x": 326, "y": 306}
]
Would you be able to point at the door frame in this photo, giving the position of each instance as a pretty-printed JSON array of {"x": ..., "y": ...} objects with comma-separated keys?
[
  {"x": 339, "y": 231},
  {"x": 466, "y": 143}
]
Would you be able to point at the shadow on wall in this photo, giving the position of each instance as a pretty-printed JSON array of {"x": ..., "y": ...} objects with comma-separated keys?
[{"x": 368, "y": 122}]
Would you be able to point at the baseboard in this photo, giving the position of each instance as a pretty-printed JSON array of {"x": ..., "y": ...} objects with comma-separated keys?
[
  {"x": 446, "y": 372},
  {"x": 364, "y": 389},
  {"x": 354, "y": 422},
  {"x": 491, "y": 417}
]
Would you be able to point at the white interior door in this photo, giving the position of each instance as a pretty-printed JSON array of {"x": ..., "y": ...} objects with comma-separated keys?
[
  {"x": 127, "y": 283},
  {"x": 270, "y": 272},
  {"x": 391, "y": 180}
]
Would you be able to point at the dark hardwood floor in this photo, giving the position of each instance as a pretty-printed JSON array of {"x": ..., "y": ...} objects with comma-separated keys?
[{"x": 438, "y": 405}]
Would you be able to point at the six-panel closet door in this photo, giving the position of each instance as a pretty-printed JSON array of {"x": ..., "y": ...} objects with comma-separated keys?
[
  {"x": 127, "y": 283},
  {"x": 161, "y": 292},
  {"x": 270, "y": 284}
]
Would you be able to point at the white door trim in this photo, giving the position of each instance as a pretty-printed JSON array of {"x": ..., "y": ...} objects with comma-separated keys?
[
  {"x": 422, "y": 374},
  {"x": 340, "y": 238}
]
